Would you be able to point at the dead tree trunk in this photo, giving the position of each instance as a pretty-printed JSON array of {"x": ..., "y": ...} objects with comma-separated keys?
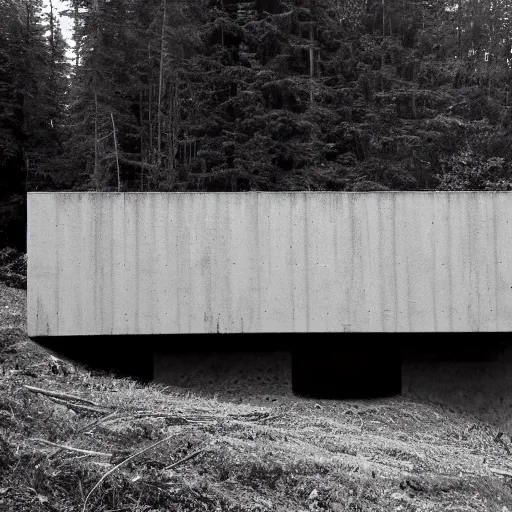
[
  {"x": 117, "y": 155},
  {"x": 160, "y": 86}
]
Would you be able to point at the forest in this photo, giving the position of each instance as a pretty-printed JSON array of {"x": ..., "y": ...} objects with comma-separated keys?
[{"x": 230, "y": 95}]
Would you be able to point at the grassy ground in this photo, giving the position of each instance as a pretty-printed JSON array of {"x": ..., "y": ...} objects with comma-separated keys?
[{"x": 289, "y": 455}]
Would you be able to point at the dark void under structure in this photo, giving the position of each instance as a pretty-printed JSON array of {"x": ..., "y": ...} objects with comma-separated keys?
[{"x": 336, "y": 366}]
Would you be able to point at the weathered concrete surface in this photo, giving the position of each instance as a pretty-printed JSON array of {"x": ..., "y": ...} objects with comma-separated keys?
[{"x": 151, "y": 263}]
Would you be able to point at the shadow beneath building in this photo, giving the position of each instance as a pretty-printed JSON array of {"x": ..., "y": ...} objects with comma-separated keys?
[
  {"x": 470, "y": 372},
  {"x": 467, "y": 372},
  {"x": 125, "y": 356}
]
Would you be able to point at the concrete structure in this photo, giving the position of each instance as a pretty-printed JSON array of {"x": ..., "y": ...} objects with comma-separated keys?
[{"x": 162, "y": 263}]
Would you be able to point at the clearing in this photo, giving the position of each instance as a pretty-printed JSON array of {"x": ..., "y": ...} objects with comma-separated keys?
[{"x": 111, "y": 444}]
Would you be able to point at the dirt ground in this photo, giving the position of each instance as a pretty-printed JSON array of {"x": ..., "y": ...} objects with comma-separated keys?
[
  {"x": 480, "y": 387},
  {"x": 110, "y": 444}
]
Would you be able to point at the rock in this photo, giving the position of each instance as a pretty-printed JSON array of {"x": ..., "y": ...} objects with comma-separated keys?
[
  {"x": 59, "y": 367},
  {"x": 313, "y": 495},
  {"x": 66, "y": 413}
]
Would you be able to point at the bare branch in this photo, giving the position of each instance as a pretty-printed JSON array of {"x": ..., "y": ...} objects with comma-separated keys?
[
  {"x": 122, "y": 463},
  {"x": 78, "y": 406},
  {"x": 185, "y": 459},
  {"x": 58, "y": 394},
  {"x": 501, "y": 472},
  {"x": 71, "y": 448}
]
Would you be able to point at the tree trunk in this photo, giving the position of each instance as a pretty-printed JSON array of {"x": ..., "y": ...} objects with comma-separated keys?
[
  {"x": 24, "y": 107},
  {"x": 311, "y": 61},
  {"x": 459, "y": 32},
  {"x": 52, "y": 41},
  {"x": 76, "y": 37},
  {"x": 95, "y": 85},
  {"x": 383, "y": 19},
  {"x": 117, "y": 155},
  {"x": 222, "y": 29},
  {"x": 492, "y": 56},
  {"x": 96, "y": 167},
  {"x": 382, "y": 49},
  {"x": 28, "y": 21},
  {"x": 141, "y": 135},
  {"x": 150, "y": 123},
  {"x": 172, "y": 126},
  {"x": 160, "y": 87}
]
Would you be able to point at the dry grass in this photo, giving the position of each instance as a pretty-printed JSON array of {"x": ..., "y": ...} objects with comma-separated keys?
[{"x": 293, "y": 455}]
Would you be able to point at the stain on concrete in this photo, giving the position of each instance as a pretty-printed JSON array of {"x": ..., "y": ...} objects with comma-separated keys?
[{"x": 291, "y": 262}]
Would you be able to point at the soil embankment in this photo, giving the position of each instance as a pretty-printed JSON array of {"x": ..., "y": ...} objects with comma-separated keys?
[{"x": 111, "y": 444}]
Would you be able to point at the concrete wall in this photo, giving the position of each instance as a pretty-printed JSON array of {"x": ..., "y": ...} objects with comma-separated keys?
[{"x": 150, "y": 263}]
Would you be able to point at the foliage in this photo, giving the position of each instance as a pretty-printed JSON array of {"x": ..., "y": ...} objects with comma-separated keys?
[
  {"x": 469, "y": 171},
  {"x": 13, "y": 268},
  {"x": 220, "y": 95},
  {"x": 33, "y": 88}
]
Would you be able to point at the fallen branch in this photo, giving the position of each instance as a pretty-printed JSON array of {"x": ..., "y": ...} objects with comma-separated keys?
[
  {"x": 71, "y": 448},
  {"x": 119, "y": 416},
  {"x": 174, "y": 416},
  {"x": 144, "y": 414},
  {"x": 182, "y": 461},
  {"x": 83, "y": 407},
  {"x": 97, "y": 421},
  {"x": 138, "y": 415},
  {"x": 102, "y": 464},
  {"x": 252, "y": 416},
  {"x": 122, "y": 463},
  {"x": 255, "y": 419},
  {"x": 502, "y": 472},
  {"x": 57, "y": 394}
]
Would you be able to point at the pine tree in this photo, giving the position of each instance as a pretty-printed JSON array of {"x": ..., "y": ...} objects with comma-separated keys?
[
  {"x": 32, "y": 96},
  {"x": 280, "y": 95},
  {"x": 11, "y": 97}
]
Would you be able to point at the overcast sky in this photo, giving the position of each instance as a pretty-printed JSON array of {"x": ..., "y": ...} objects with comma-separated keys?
[{"x": 66, "y": 24}]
